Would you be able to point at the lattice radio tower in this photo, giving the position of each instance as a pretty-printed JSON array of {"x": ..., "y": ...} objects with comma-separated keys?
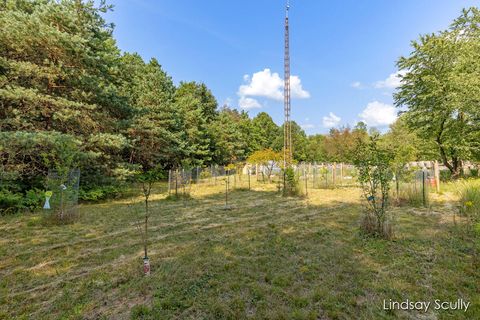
[{"x": 287, "y": 128}]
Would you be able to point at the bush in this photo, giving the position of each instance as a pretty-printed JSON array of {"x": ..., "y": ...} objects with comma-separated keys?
[
  {"x": 375, "y": 174},
  {"x": 97, "y": 193},
  {"x": 10, "y": 202},
  {"x": 33, "y": 199},
  {"x": 13, "y": 202},
  {"x": 205, "y": 174},
  {"x": 29, "y": 155},
  {"x": 291, "y": 184},
  {"x": 445, "y": 175},
  {"x": 474, "y": 173},
  {"x": 469, "y": 192}
]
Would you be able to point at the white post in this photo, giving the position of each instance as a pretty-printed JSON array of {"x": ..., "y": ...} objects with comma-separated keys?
[{"x": 436, "y": 170}]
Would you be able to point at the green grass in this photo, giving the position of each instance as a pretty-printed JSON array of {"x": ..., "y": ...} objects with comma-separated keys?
[
  {"x": 269, "y": 257},
  {"x": 410, "y": 194},
  {"x": 469, "y": 194}
]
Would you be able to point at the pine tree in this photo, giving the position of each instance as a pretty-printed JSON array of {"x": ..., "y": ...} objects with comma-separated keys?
[
  {"x": 198, "y": 107},
  {"x": 58, "y": 74},
  {"x": 155, "y": 128}
]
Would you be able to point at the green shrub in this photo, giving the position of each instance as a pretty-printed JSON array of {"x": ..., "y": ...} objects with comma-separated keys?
[
  {"x": 97, "y": 193},
  {"x": 10, "y": 202},
  {"x": 474, "y": 173},
  {"x": 205, "y": 174},
  {"x": 375, "y": 174},
  {"x": 445, "y": 175},
  {"x": 469, "y": 192},
  {"x": 291, "y": 184},
  {"x": 29, "y": 155},
  {"x": 33, "y": 199}
]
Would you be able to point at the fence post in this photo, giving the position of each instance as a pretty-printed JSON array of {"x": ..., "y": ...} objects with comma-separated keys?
[
  {"x": 305, "y": 172},
  {"x": 215, "y": 173},
  {"x": 436, "y": 170},
  {"x": 169, "y": 180},
  {"x": 341, "y": 173},
  {"x": 211, "y": 174},
  {"x": 226, "y": 189},
  {"x": 326, "y": 175},
  {"x": 334, "y": 173},
  {"x": 314, "y": 172},
  {"x": 423, "y": 188},
  {"x": 176, "y": 182}
]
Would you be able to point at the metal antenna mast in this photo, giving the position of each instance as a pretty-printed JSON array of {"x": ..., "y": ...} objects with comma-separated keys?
[{"x": 287, "y": 128}]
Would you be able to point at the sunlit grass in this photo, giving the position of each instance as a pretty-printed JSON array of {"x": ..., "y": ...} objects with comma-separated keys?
[{"x": 269, "y": 257}]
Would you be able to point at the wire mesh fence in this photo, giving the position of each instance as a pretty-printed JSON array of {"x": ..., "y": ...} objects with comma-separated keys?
[
  {"x": 326, "y": 175},
  {"x": 62, "y": 194},
  {"x": 412, "y": 186},
  {"x": 181, "y": 180}
]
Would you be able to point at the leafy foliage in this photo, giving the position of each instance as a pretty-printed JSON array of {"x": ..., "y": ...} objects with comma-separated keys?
[
  {"x": 375, "y": 174},
  {"x": 440, "y": 88},
  {"x": 268, "y": 158},
  {"x": 27, "y": 156}
]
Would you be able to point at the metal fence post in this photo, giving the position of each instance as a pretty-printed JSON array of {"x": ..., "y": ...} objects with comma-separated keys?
[
  {"x": 334, "y": 173},
  {"x": 423, "y": 188}
]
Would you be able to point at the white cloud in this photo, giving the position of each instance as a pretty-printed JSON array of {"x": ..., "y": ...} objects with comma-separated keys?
[
  {"x": 356, "y": 85},
  {"x": 262, "y": 84},
  {"x": 270, "y": 85},
  {"x": 378, "y": 114},
  {"x": 331, "y": 120},
  {"x": 393, "y": 81},
  {"x": 248, "y": 103},
  {"x": 296, "y": 88}
]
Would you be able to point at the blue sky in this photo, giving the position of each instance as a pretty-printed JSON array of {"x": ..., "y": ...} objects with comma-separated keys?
[{"x": 343, "y": 53}]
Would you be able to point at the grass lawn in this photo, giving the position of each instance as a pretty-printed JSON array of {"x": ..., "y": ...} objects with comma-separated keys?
[{"x": 268, "y": 257}]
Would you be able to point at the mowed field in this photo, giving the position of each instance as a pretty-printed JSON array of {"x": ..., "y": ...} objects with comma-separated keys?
[{"x": 268, "y": 257}]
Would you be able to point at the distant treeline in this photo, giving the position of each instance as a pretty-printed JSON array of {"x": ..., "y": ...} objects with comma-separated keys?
[{"x": 70, "y": 98}]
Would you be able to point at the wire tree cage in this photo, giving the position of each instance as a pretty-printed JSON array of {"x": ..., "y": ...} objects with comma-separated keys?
[
  {"x": 62, "y": 194},
  {"x": 179, "y": 182},
  {"x": 412, "y": 186}
]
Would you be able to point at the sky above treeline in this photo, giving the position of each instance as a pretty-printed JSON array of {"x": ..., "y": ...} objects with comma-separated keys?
[{"x": 343, "y": 53}]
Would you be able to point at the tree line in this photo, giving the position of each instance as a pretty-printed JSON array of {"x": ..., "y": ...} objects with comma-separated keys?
[{"x": 69, "y": 97}]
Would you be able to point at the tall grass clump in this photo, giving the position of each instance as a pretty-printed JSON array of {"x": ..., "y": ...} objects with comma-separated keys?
[
  {"x": 469, "y": 194},
  {"x": 412, "y": 194}
]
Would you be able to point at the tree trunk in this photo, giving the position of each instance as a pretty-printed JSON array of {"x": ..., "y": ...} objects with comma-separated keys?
[
  {"x": 454, "y": 166},
  {"x": 147, "y": 187},
  {"x": 146, "y": 229}
]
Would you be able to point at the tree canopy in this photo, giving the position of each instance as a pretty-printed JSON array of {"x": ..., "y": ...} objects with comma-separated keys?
[{"x": 441, "y": 88}]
